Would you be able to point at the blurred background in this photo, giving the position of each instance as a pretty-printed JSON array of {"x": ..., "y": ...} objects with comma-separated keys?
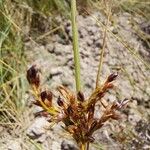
[{"x": 39, "y": 32}]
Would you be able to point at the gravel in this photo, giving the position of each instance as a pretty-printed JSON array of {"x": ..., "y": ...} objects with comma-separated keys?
[{"x": 55, "y": 59}]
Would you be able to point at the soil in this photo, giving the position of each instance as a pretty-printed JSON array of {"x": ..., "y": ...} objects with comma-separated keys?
[{"x": 125, "y": 53}]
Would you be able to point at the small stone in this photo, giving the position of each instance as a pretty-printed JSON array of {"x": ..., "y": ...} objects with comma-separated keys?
[
  {"x": 59, "y": 49},
  {"x": 66, "y": 82},
  {"x": 111, "y": 98},
  {"x": 115, "y": 31},
  {"x": 55, "y": 71},
  {"x": 66, "y": 145},
  {"x": 55, "y": 145},
  {"x": 14, "y": 145},
  {"x": 38, "y": 128},
  {"x": 50, "y": 47},
  {"x": 98, "y": 43},
  {"x": 89, "y": 42}
]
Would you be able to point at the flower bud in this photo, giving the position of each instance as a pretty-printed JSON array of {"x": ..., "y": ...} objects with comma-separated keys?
[
  {"x": 69, "y": 110},
  {"x": 60, "y": 101},
  {"x": 112, "y": 77},
  {"x": 46, "y": 97},
  {"x": 93, "y": 125},
  {"x": 33, "y": 76},
  {"x": 49, "y": 95},
  {"x": 80, "y": 96},
  {"x": 43, "y": 95}
]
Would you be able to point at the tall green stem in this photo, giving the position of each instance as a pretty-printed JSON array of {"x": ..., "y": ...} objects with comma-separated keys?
[{"x": 75, "y": 45}]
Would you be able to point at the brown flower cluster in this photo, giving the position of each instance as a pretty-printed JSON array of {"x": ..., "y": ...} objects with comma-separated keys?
[{"x": 76, "y": 112}]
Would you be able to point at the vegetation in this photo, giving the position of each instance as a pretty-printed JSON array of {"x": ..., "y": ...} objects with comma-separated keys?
[
  {"x": 16, "y": 20},
  {"x": 76, "y": 112}
]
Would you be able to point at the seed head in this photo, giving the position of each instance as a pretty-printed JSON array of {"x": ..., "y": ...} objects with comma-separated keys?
[
  {"x": 60, "y": 101},
  {"x": 80, "y": 96},
  {"x": 33, "y": 76},
  {"x": 112, "y": 77},
  {"x": 69, "y": 110},
  {"x": 46, "y": 97}
]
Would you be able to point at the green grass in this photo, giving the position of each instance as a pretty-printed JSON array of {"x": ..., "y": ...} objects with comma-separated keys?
[{"x": 12, "y": 65}]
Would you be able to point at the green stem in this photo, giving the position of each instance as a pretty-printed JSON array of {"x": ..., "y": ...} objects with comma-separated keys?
[{"x": 75, "y": 45}]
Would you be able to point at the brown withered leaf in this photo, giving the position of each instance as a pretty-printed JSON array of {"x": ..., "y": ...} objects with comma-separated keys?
[
  {"x": 70, "y": 110},
  {"x": 48, "y": 103},
  {"x": 93, "y": 127}
]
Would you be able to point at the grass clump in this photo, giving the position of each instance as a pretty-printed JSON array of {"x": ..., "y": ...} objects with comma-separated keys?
[{"x": 12, "y": 64}]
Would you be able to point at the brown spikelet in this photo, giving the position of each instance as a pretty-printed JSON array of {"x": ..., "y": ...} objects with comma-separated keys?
[
  {"x": 112, "y": 77},
  {"x": 60, "y": 101},
  {"x": 33, "y": 76},
  {"x": 46, "y": 97},
  {"x": 80, "y": 96}
]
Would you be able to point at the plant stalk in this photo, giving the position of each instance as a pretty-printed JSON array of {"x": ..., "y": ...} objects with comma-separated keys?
[
  {"x": 75, "y": 45},
  {"x": 103, "y": 49},
  {"x": 83, "y": 146},
  {"x": 87, "y": 145}
]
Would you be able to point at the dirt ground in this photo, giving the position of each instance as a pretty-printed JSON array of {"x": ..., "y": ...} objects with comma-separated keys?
[{"x": 125, "y": 53}]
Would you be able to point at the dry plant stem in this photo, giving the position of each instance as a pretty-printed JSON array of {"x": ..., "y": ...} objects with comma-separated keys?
[
  {"x": 75, "y": 45},
  {"x": 87, "y": 146},
  {"x": 103, "y": 49},
  {"x": 83, "y": 146}
]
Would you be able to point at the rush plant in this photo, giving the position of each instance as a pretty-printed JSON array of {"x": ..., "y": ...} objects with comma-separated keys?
[{"x": 73, "y": 109}]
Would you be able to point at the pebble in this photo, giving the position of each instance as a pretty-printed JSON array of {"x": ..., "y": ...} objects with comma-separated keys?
[
  {"x": 38, "y": 128},
  {"x": 56, "y": 71}
]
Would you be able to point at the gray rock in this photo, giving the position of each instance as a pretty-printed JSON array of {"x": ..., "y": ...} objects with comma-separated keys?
[
  {"x": 67, "y": 145},
  {"x": 59, "y": 49},
  {"x": 38, "y": 128},
  {"x": 50, "y": 47},
  {"x": 14, "y": 145},
  {"x": 56, "y": 71}
]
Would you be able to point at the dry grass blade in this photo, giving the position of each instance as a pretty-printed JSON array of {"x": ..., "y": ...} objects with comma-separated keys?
[{"x": 108, "y": 9}]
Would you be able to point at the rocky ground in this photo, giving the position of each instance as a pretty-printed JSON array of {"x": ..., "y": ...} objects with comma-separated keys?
[{"x": 54, "y": 55}]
